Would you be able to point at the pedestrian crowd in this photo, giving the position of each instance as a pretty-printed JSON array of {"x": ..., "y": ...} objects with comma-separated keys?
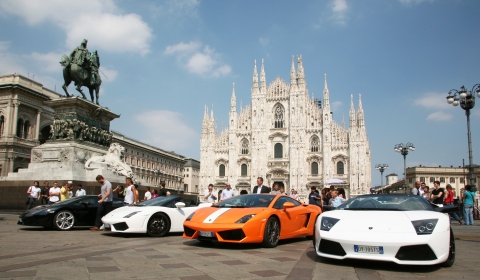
[
  {"x": 446, "y": 197},
  {"x": 49, "y": 195}
]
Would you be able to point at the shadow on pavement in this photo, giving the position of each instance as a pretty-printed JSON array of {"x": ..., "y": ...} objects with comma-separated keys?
[
  {"x": 237, "y": 246},
  {"x": 375, "y": 265}
]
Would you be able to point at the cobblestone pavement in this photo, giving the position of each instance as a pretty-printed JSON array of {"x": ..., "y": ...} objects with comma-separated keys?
[{"x": 37, "y": 253}]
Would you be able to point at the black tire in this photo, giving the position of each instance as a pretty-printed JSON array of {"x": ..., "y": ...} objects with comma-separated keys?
[
  {"x": 63, "y": 220},
  {"x": 158, "y": 225},
  {"x": 271, "y": 235},
  {"x": 314, "y": 228},
  {"x": 451, "y": 251}
]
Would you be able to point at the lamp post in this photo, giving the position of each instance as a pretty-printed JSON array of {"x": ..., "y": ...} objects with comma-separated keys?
[
  {"x": 466, "y": 99},
  {"x": 381, "y": 167},
  {"x": 403, "y": 149}
]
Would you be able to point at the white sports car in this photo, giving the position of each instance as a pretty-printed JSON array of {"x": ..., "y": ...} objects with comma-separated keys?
[
  {"x": 403, "y": 229},
  {"x": 155, "y": 217}
]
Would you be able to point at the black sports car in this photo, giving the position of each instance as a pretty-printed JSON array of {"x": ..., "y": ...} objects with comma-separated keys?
[{"x": 64, "y": 215}]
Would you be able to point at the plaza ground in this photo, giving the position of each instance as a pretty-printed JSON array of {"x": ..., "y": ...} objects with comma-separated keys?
[{"x": 37, "y": 253}]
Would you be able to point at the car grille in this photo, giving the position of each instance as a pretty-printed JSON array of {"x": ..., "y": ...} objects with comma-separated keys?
[
  {"x": 236, "y": 234},
  {"x": 120, "y": 226},
  {"x": 416, "y": 253},
  {"x": 188, "y": 231},
  {"x": 331, "y": 248}
]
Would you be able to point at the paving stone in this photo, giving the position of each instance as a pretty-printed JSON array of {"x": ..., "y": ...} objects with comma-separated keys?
[
  {"x": 18, "y": 274},
  {"x": 97, "y": 269},
  {"x": 234, "y": 262},
  {"x": 267, "y": 273},
  {"x": 283, "y": 259},
  {"x": 174, "y": 265}
]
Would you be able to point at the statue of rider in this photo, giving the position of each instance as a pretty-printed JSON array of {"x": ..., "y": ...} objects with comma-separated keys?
[{"x": 80, "y": 54}]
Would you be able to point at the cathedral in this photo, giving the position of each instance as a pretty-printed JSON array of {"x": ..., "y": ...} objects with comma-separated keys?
[{"x": 286, "y": 137}]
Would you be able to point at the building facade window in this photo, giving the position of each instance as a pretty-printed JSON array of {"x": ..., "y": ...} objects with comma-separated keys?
[
  {"x": 278, "y": 150},
  {"x": 432, "y": 179},
  {"x": 221, "y": 170},
  {"x": 422, "y": 179},
  {"x": 340, "y": 167},
  {"x": 314, "y": 168},
  {"x": 314, "y": 144},
  {"x": 452, "y": 180},
  {"x": 442, "y": 179},
  {"x": 244, "y": 148},
  {"x": 279, "y": 116},
  {"x": 243, "y": 170},
  {"x": 19, "y": 128}
]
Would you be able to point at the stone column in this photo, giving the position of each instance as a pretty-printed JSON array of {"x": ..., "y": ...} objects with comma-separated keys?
[
  {"x": 14, "y": 122},
  {"x": 37, "y": 128}
]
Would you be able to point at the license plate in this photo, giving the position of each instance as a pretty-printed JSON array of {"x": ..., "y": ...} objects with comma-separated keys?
[
  {"x": 368, "y": 249},
  {"x": 206, "y": 233}
]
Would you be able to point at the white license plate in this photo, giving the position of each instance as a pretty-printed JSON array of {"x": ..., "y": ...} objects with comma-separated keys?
[
  {"x": 206, "y": 233},
  {"x": 368, "y": 249}
]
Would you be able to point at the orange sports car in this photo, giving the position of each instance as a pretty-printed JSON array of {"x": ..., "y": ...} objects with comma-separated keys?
[{"x": 252, "y": 218}]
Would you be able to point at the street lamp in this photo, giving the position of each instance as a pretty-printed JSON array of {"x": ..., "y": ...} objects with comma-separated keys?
[
  {"x": 403, "y": 149},
  {"x": 381, "y": 168},
  {"x": 466, "y": 99}
]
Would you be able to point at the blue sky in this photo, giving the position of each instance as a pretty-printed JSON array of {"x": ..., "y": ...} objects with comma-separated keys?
[{"x": 166, "y": 59}]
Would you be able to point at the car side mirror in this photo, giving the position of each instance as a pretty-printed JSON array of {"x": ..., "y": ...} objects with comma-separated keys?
[
  {"x": 287, "y": 205},
  {"x": 180, "y": 204}
]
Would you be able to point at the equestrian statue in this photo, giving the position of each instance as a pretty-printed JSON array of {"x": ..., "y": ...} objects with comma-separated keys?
[{"x": 82, "y": 68}]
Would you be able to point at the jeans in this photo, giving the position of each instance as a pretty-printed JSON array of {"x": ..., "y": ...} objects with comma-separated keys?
[
  {"x": 454, "y": 214},
  {"x": 468, "y": 215},
  {"x": 32, "y": 202},
  {"x": 103, "y": 209}
]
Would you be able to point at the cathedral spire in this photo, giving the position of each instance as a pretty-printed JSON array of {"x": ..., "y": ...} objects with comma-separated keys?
[
  {"x": 263, "y": 83},
  {"x": 233, "y": 100},
  {"x": 343, "y": 120},
  {"x": 326, "y": 93},
  {"x": 360, "y": 116},
  {"x": 352, "y": 112},
  {"x": 255, "y": 75},
  {"x": 301, "y": 74},
  {"x": 293, "y": 75}
]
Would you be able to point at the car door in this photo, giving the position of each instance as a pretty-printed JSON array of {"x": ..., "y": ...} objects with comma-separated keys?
[
  {"x": 291, "y": 219},
  {"x": 83, "y": 211},
  {"x": 178, "y": 215}
]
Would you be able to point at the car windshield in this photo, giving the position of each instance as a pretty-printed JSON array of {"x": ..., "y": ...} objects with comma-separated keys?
[
  {"x": 158, "y": 201},
  {"x": 247, "y": 201},
  {"x": 387, "y": 202}
]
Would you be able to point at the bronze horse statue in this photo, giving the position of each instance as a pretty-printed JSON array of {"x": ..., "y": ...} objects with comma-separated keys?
[{"x": 81, "y": 75}]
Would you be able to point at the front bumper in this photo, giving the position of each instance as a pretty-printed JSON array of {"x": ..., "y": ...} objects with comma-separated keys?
[
  {"x": 250, "y": 232},
  {"x": 40, "y": 219},
  {"x": 400, "y": 248},
  {"x": 127, "y": 225}
]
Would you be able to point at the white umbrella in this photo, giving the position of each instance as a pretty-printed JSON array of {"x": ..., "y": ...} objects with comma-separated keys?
[{"x": 334, "y": 181}]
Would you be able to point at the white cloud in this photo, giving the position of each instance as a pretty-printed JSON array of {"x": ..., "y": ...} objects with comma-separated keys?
[
  {"x": 439, "y": 116},
  {"x": 99, "y": 21},
  {"x": 335, "y": 105},
  {"x": 10, "y": 63},
  {"x": 110, "y": 73},
  {"x": 175, "y": 9},
  {"x": 203, "y": 62},
  {"x": 264, "y": 41},
  {"x": 173, "y": 134},
  {"x": 49, "y": 62},
  {"x": 339, "y": 11},
  {"x": 433, "y": 100}
]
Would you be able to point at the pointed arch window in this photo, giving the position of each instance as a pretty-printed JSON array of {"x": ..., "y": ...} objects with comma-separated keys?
[
  {"x": 244, "y": 148},
  {"x": 340, "y": 167},
  {"x": 2, "y": 124},
  {"x": 221, "y": 170},
  {"x": 278, "y": 150},
  {"x": 314, "y": 168},
  {"x": 244, "y": 170},
  {"x": 26, "y": 129},
  {"x": 279, "y": 113},
  {"x": 314, "y": 144}
]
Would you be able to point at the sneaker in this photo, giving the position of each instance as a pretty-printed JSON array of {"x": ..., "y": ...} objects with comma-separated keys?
[{"x": 95, "y": 228}]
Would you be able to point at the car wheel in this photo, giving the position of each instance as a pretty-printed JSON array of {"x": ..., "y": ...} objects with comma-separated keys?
[
  {"x": 63, "y": 220},
  {"x": 271, "y": 235},
  {"x": 158, "y": 225},
  {"x": 451, "y": 251}
]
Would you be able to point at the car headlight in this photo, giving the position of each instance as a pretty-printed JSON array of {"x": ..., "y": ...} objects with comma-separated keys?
[
  {"x": 131, "y": 214},
  {"x": 50, "y": 210},
  {"x": 245, "y": 219},
  {"x": 424, "y": 226},
  {"x": 190, "y": 217},
  {"x": 327, "y": 223}
]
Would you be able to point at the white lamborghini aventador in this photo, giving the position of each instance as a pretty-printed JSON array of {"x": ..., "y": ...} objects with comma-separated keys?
[{"x": 403, "y": 229}]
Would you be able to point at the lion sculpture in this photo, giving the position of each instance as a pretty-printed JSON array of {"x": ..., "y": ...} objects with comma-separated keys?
[{"x": 113, "y": 160}]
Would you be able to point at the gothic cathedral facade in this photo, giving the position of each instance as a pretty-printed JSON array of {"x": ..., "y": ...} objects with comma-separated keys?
[{"x": 285, "y": 137}]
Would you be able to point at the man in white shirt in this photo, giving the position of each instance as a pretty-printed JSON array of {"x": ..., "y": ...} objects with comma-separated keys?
[
  {"x": 33, "y": 195},
  {"x": 227, "y": 192},
  {"x": 148, "y": 194},
  {"x": 80, "y": 191},
  {"x": 54, "y": 194},
  {"x": 130, "y": 193},
  {"x": 209, "y": 196}
]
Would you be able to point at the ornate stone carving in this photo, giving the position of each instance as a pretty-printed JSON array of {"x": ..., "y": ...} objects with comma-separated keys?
[
  {"x": 37, "y": 156},
  {"x": 113, "y": 160},
  {"x": 65, "y": 155}
]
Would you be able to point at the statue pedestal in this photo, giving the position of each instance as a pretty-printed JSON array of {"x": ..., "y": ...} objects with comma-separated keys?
[{"x": 81, "y": 130}]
